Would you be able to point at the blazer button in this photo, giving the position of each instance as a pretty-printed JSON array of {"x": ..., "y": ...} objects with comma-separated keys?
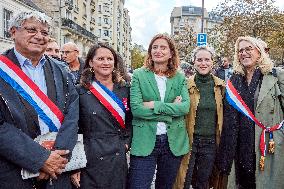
[
  {"x": 88, "y": 92},
  {"x": 94, "y": 113},
  {"x": 101, "y": 158},
  {"x": 117, "y": 153}
]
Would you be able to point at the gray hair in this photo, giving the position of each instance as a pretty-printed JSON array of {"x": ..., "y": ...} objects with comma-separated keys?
[
  {"x": 206, "y": 48},
  {"x": 17, "y": 20}
]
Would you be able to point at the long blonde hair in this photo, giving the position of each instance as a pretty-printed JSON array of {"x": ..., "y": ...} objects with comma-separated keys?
[{"x": 264, "y": 63}]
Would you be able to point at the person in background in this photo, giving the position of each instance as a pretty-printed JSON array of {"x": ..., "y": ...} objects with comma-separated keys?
[
  {"x": 35, "y": 98},
  {"x": 225, "y": 70},
  {"x": 53, "y": 49},
  {"x": 253, "y": 109},
  {"x": 104, "y": 120},
  {"x": 159, "y": 101},
  {"x": 122, "y": 69},
  {"x": 204, "y": 122},
  {"x": 70, "y": 54}
]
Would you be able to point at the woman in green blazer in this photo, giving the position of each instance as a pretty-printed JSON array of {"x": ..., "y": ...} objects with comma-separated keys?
[{"x": 159, "y": 100}]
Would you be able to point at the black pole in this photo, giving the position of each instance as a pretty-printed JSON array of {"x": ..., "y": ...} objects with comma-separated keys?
[{"x": 202, "y": 16}]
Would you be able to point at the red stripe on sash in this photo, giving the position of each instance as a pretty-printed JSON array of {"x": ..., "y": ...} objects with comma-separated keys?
[
  {"x": 108, "y": 106},
  {"x": 34, "y": 87}
]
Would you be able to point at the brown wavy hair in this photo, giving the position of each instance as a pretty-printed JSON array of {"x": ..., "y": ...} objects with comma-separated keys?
[
  {"x": 88, "y": 76},
  {"x": 173, "y": 62}
]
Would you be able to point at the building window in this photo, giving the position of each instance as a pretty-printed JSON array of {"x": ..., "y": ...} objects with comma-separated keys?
[
  {"x": 106, "y": 33},
  {"x": 84, "y": 10},
  {"x": 99, "y": 32},
  {"x": 66, "y": 39},
  {"x": 106, "y": 8},
  {"x": 68, "y": 14},
  {"x": 100, "y": 21},
  {"x": 106, "y": 20},
  {"x": 75, "y": 3},
  {"x": 7, "y": 16},
  {"x": 100, "y": 8},
  {"x": 76, "y": 7}
]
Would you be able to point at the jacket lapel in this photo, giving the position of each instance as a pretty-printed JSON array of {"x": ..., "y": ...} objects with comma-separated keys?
[
  {"x": 268, "y": 82},
  {"x": 59, "y": 88},
  {"x": 151, "y": 78},
  {"x": 50, "y": 84}
]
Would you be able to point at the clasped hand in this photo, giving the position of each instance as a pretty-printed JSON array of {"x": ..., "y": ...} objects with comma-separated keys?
[{"x": 54, "y": 165}]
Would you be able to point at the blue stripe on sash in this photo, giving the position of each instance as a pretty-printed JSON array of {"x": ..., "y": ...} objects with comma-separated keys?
[
  {"x": 232, "y": 102},
  {"x": 113, "y": 96},
  {"x": 28, "y": 98}
]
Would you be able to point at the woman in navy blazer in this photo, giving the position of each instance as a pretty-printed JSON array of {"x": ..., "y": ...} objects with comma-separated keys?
[{"x": 159, "y": 100}]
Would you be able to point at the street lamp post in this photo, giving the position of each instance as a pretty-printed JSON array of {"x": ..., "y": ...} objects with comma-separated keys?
[{"x": 202, "y": 16}]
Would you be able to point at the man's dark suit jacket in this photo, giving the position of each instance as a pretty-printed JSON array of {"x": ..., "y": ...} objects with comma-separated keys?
[{"x": 19, "y": 125}]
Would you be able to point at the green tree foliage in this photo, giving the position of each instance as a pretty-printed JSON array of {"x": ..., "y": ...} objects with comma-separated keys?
[
  {"x": 137, "y": 56},
  {"x": 257, "y": 18}
]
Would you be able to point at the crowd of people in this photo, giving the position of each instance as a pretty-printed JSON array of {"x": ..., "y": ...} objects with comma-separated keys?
[{"x": 216, "y": 129}]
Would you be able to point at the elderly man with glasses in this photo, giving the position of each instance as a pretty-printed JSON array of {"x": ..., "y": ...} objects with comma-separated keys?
[
  {"x": 35, "y": 99},
  {"x": 70, "y": 54}
]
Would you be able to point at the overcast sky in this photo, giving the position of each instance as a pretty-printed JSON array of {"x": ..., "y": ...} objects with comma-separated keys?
[{"x": 149, "y": 17}]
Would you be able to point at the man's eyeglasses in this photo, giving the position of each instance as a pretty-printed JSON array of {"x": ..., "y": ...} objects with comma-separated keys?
[
  {"x": 34, "y": 31},
  {"x": 248, "y": 50},
  {"x": 67, "y": 52}
]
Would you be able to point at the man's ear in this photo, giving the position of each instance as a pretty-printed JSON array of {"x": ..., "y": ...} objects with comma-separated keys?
[{"x": 12, "y": 32}]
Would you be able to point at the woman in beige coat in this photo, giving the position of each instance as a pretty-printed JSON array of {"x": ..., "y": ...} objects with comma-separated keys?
[
  {"x": 261, "y": 87},
  {"x": 204, "y": 122}
]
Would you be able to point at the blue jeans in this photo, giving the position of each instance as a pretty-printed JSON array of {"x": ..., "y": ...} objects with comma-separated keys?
[
  {"x": 202, "y": 159},
  {"x": 142, "y": 169}
]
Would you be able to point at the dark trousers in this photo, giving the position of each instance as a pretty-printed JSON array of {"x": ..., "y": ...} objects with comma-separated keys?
[
  {"x": 142, "y": 169},
  {"x": 245, "y": 178},
  {"x": 201, "y": 160}
]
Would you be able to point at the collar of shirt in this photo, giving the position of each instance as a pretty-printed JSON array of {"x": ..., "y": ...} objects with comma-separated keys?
[{"x": 23, "y": 60}]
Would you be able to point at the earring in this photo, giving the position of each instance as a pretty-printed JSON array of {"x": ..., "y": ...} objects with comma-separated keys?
[{"x": 92, "y": 70}]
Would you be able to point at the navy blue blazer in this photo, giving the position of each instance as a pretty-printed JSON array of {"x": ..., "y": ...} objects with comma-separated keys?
[{"x": 19, "y": 125}]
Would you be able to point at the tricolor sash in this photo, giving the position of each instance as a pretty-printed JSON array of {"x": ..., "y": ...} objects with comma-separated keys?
[
  {"x": 110, "y": 101},
  {"x": 237, "y": 102},
  {"x": 47, "y": 111}
]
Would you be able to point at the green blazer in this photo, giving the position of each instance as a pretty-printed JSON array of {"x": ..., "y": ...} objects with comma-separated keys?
[{"x": 143, "y": 89}]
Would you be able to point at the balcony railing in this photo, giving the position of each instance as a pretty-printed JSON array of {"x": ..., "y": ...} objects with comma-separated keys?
[{"x": 77, "y": 28}]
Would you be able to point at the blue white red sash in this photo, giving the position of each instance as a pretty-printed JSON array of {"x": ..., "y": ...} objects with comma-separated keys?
[
  {"x": 47, "y": 111},
  {"x": 237, "y": 102},
  {"x": 109, "y": 100}
]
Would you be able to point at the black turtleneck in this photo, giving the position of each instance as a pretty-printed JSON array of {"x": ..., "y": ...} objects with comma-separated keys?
[{"x": 205, "y": 123}]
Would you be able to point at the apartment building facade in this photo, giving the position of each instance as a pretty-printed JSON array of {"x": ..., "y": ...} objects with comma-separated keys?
[
  {"x": 72, "y": 21},
  {"x": 114, "y": 27},
  {"x": 9, "y": 8},
  {"x": 191, "y": 16},
  {"x": 86, "y": 22},
  {"x": 83, "y": 22}
]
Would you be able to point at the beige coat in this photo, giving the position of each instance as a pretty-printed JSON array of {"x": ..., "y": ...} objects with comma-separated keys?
[
  {"x": 194, "y": 94},
  {"x": 268, "y": 111}
]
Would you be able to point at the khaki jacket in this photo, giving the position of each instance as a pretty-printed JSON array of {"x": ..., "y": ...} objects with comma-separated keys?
[{"x": 194, "y": 94}]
